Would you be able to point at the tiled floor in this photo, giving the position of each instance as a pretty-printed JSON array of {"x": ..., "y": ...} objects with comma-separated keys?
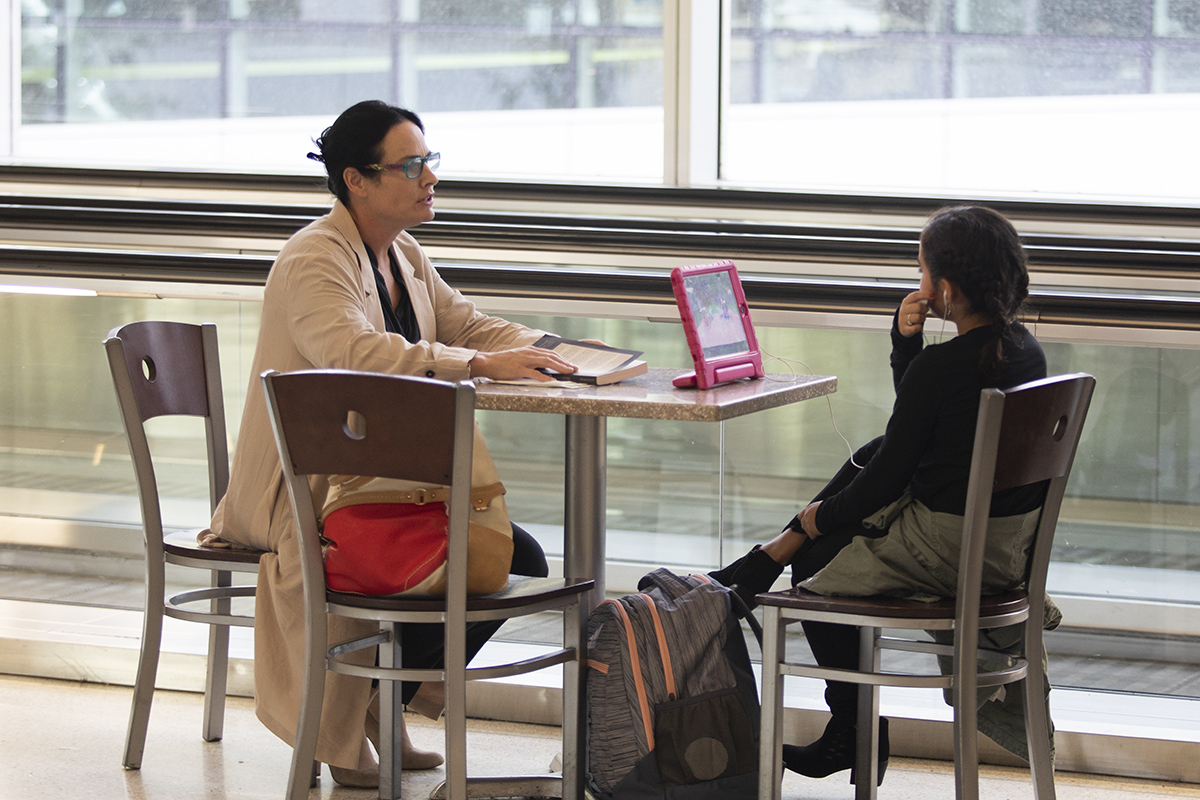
[
  {"x": 1114, "y": 733},
  {"x": 61, "y": 739}
]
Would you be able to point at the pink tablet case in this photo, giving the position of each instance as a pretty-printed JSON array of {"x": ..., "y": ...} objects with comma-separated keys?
[{"x": 716, "y": 321}]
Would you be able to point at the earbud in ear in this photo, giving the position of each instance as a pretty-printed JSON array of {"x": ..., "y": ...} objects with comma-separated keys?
[{"x": 946, "y": 304}]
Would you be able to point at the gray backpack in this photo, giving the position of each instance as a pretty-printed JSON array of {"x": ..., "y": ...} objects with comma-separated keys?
[{"x": 672, "y": 702}]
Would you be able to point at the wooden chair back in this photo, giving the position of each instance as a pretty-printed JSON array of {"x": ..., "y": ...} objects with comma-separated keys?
[{"x": 168, "y": 368}]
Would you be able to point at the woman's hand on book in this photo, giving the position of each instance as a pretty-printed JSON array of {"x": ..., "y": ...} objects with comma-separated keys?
[{"x": 520, "y": 362}]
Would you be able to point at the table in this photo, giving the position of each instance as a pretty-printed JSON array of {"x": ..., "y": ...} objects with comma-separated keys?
[
  {"x": 649, "y": 396},
  {"x": 587, "y": 409}
]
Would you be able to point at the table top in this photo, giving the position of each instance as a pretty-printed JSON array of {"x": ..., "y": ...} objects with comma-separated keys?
[{"x": 652, "y": 396}]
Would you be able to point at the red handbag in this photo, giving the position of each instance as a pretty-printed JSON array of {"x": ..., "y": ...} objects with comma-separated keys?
[
  {"x": 389, "y": 537},
  {"x": 384, "y": 548}
]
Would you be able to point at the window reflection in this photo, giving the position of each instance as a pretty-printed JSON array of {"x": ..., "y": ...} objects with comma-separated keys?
[
  {"x": 554, "y": 75},
  {"x": 929, "y": 95},
  {"x": 1177, "y": 18}
]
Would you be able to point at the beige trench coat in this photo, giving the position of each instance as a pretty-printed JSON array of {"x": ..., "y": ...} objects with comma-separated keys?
[{"x": 321, "y": 310}]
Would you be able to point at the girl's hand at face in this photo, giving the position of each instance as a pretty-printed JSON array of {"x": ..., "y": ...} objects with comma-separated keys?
[{"x": 913, "y": 310}]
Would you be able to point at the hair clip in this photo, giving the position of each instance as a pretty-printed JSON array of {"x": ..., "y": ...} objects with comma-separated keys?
[{"x": 317, "y": 157}]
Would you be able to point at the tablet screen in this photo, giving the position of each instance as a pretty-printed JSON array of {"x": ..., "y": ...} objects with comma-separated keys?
[
  {"x": 716, "y": 322},
  {"x": 715, "y": 310}
]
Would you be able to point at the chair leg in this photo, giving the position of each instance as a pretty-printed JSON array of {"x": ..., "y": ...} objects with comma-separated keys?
[
  {"x": 966, "y": 714},
  {"x": 391, "y": 709},
  {"x": 216, "y": 681},
  {"x": 574, "y": 715},
  {"x": 147, "y": 671},
  {"x": 456, "y": 718},
  {"x": 866, "y": 769},
  {"x": 770, "y": 740},
  {"x": 312, "y": 695},
  {"x": 1037, "y": 716}
]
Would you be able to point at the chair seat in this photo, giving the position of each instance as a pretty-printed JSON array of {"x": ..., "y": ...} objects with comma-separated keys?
[
  {"x": 891, "y": 607},
  {"x": 521, "y": 591},
  {"x": 183, "y": 544}
]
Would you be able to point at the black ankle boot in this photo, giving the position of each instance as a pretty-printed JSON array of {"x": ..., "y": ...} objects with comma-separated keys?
[
  {"x": 750, "y": 575},
  {"x": 834, "y": 751}
]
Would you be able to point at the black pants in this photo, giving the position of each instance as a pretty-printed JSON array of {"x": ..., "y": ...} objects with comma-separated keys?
[{"x": 423, "y": 644}]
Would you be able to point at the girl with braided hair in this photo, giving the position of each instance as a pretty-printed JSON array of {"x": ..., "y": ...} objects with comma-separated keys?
[
  {"x": 979, "y": 254},
  {"x": 890, "y": 521}
]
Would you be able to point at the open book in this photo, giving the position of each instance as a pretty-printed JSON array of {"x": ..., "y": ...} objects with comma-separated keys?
[{"x": 597, "y": 364}]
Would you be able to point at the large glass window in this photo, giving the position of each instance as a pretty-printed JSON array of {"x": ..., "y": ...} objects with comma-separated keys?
[
  {"x": 963, "y": 96},
  {"x": 521, "y": 87},
  {"x": 1057, "y": 97}
]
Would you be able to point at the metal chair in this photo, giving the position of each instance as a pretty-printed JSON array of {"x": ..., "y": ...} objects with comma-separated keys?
[
  {"x": 158, "y": 369},
  {"x": 1024, "y": 435},
  {"x": 421, "y": 430}
]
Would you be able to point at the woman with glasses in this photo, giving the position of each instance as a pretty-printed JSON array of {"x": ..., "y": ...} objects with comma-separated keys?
[
  {"x": 353, "y": 290},
  {"x": 890, "y": 521}
]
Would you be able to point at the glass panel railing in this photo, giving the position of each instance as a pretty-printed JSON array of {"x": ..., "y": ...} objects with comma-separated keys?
[{"x": 689, "y": 495}]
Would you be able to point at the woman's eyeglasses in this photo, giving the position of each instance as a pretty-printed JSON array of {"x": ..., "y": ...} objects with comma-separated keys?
[{"x": 411, "y": 168}]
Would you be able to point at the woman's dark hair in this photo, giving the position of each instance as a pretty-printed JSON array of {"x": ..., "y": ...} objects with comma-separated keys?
[
  {"x": 353, "y": 140},
  {"x": 980, "y": 251}
]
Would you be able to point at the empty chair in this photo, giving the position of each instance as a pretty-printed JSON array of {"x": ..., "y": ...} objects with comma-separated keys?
[
  {"x": 1024, "y": 435},
  {"x": 160, "y": 369},
  {"x": 334, "y": 422}
]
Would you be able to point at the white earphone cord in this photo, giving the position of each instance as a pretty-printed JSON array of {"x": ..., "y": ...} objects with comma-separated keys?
[{"x": 788, "y": 362}]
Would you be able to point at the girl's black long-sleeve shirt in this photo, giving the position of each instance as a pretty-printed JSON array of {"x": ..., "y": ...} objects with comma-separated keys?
[{"x": 926, "y": 449}]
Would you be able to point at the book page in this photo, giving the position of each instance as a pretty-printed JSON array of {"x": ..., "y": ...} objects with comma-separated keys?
[{"x": 592, "y": 359}]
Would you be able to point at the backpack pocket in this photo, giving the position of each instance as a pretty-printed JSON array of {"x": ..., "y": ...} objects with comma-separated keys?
[{"x": 704, "y": 738}]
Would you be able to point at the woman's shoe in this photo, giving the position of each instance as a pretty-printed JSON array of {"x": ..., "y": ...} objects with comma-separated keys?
[
  {"x": 365, "y": 777},
  {"x": 410, "y": 756},
  {"x": 834, "y": 751},
  {"x": 750, "y": 575},
  {"x": 355, "y": 778}
]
